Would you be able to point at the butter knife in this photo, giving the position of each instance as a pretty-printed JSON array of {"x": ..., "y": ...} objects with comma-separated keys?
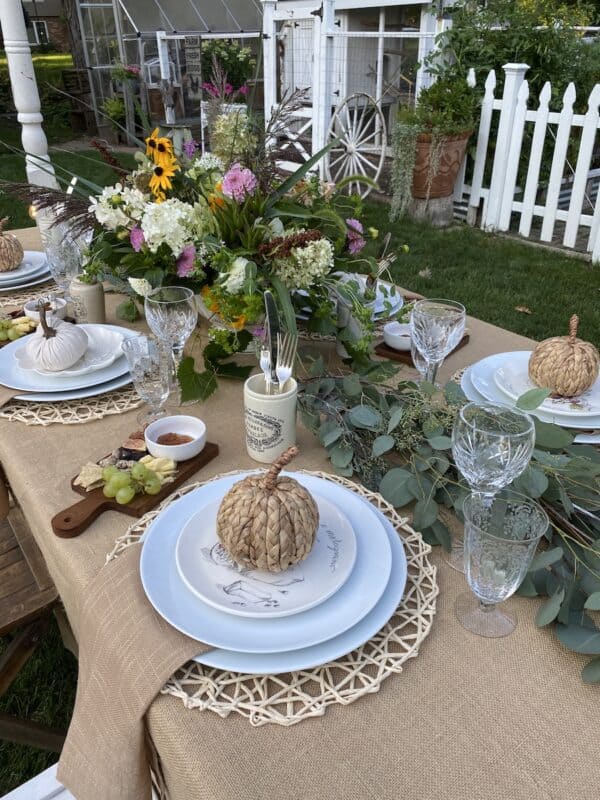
[{"x": 273, "y": 328}]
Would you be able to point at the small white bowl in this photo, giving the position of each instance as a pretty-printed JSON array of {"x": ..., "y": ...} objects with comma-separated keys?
[
  {"x": 58, "y": 309},
  {"x": 397, "y": 335},
  {"x": 187, "y": 426}
]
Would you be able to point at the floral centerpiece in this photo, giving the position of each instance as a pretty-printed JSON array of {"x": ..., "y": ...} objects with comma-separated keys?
[{"x": 230, "y": 232}]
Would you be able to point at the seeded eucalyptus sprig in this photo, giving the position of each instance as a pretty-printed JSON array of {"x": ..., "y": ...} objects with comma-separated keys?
[{"x": 396, "y": 440}]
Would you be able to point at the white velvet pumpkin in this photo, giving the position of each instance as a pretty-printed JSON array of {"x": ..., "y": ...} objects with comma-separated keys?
[{"x": 56, "y": 344}]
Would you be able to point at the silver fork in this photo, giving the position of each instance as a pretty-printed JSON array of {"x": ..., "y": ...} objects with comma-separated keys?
[
  {"x": 265, "y": 365},
  {"x": 286, "y": 355}
]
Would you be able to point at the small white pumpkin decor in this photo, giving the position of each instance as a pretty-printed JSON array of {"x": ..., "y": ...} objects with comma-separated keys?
[
  {"x": 56, "y": 344},
  {"x": 11, "y": 252},
  {"x": 565, "y": 364}
]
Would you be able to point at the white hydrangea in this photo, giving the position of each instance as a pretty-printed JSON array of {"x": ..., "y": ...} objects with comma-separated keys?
[
  {"x": 134, "y": 202},
  {"x": 206, "y": 163},
  {"x": 307, "y": 264},
  {"x": 236, "y": 276},
  {"x": 140, "y": 286},
  {"x": 169, "y": 223},
  {"x": 108, "y": 208}
]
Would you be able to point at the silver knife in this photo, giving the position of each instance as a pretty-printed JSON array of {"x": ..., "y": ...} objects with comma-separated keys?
[{"x": 273, "y": 328}]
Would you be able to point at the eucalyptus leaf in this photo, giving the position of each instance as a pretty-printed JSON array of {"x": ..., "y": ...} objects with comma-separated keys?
[
  {"x": 579, "y": 639},
  {"x": 454, "y": 394},
  {"x": 527, "y": 587},
  {"x": 341, "y": 455},
  {"x": 364, "y": 417},
  {"x": 549, "y": 611},
  {"x": 352, "y": 385},
  {"x": 532, "y": 482},
  {"x": 440, "y": 442},
  {"x": 591, "y": 672},
  {"x": 382, "y": 444},
  {"x": 532, "y": 399},
  {"x": 425, "y": 513},
  {"x": 593, "y": 602},
  {"x": 546, "y": 558},
  {"x": 329, "y": 433},
  {"x": 393, "y": 487},
  {"x": 395, "y": 417},
  {"x": 551, "y": 436}
]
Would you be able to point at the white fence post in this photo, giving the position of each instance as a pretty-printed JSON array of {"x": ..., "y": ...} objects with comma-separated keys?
[
  {"x": 558, "y": 163},
  {"x": 535, "y": 160},
  {"x": 483, "y": 138},
  {"x": 25, "y": 94},
  {"x": 269, "y": 57},
  {"x": 514, "y": 77},
  {"x": 514, "y": 157},
  {"x": 594, "y": 238}
]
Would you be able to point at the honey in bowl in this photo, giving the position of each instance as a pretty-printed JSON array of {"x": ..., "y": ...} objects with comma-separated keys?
[{"x": 172, "y": 439}]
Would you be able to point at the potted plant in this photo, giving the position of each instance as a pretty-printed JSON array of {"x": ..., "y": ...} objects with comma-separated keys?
[{"x": 430, "y": 141}]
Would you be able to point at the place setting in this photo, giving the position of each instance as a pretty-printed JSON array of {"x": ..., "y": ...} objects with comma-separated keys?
[{"x": 20, "y": 269}]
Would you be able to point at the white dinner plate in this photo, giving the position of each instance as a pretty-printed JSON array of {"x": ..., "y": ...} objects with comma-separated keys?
[
  {"x": 475, "y": 396},
  {"x": 512, "y": 378},
  {"x": 209, "y": 572},
  {"x": 190, "y": 615},
  {"x": 27, "y": 381},
  {"x": 32, "y": 264},
  {"x": 77, "y": 394},
  {"x": 15, "y": 283},
  {"x": 43, "y": 278},
  {"x": 104, "y": 347},
  {"x": 323, "y": 653}
]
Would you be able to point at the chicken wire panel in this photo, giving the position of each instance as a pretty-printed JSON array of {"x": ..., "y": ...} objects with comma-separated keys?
[{"x": 221, "y": 16}]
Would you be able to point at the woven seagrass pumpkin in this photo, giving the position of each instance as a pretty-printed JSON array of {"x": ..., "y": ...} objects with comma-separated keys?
[
  {"x": 11, "y": 252},
  {"x": 267, "y": 521},
  {"x": 565, "y": 364}
]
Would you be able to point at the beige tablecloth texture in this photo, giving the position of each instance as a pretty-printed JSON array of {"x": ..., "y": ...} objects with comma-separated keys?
[{"x": 470, "y": 718}]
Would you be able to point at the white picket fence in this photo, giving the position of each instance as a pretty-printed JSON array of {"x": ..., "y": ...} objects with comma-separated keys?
[{"x": 570, "y": 193}]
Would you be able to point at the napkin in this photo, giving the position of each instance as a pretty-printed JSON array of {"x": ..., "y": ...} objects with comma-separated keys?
[
  {"x": 7, "y": 394},
  {"x": 126, "y": 654}
]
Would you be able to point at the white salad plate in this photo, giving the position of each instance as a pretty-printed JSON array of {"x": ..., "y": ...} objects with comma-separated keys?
[
  {"x": 13, "y": 376},
  {"x": 34, "y": 263},
  {"x": 512, "y": 378},
  {"x": 104, "y": 347},
  {"x": 475, "y": 396},
  {"x": 187, "y": 613},
  {"x": 209, "y": 572},
  {"x": 387, "y": 293},
  {"x": 43, "y": 277},
  {"x": 77, "y": 394},
  {"x": 324, "y": 652}
]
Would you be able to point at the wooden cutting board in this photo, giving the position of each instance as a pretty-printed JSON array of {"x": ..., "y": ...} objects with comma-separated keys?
[
  {"x": 383, "y": 350},
  {"x": 75, "y": 519}
]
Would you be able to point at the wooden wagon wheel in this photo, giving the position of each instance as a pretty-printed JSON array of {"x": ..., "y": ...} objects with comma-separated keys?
[{"x": 360, "y": 126}]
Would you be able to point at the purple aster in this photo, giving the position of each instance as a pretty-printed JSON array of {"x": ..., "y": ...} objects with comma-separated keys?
[
  {"x": 189, "y": 148},
  {"x": 355, "y": 238},
  {"x": 136, "y": 238},
  {"x": 239, "y": 183},
  {"x": 185, "y": 262},
  {"x": 354, "y": 225}
]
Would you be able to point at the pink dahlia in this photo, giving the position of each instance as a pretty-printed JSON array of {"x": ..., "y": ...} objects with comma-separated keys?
[
  {"x": 185, "y": 262},
  {"x": 356, "y": 242},
  {"x": 239, "y": 183},
  {"x": 136, "y": 238}
]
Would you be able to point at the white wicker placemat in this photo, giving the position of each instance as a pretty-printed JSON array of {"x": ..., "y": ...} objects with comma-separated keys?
[
  {"x": 19, "y": 298},
  {"x": 289, "y": 698},
  {"x": 72, "y": 412}
]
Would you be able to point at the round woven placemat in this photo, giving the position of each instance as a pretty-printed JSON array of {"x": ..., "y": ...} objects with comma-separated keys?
[
  {"x": 72, "y": 412},
  {"x": 18, "y": 299},
  {"x": 289, "y": 698}
]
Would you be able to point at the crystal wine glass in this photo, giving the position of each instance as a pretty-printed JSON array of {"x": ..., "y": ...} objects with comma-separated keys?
[
  {"x": 501, "y": 537},
  {"x": 150, "y": 367},
  {"x": 491, "y": 445},
  {"x": 63, "y": 254},
  {"x": 419, "y": 362},
  {"x": 436, "y": 327},
  {"x": 172, "y": 315}
]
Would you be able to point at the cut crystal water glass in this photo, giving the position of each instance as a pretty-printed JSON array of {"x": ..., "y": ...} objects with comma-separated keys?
[
  {"x": 501, "y": 538},
  {"x": 172, "y": 315},
  {"x": 492, "y": 445},
  {"x": 149, "y": 363},
  {"x": 436, "y": 328}
]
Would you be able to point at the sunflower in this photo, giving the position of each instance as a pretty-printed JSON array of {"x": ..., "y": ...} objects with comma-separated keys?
[
  {"x": 160, "y": 182},
  {"x": 160, "y": 148}
]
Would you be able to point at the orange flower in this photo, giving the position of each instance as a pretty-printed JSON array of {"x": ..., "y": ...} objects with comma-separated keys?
[
  {"x": 216, "y": 200},
  {"x": 209, "y": 300},
  {"x": 238, "y": 323}
]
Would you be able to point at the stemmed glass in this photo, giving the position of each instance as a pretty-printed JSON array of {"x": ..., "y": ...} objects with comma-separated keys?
[
  {"x": 418, "y": 361},
  {"x": 436, "y": 327},
  {"x": 491, "y": 445},
  {"x": 172, "y": 315},
  {"x": 64, "y": 254},
  {"x": 150, "y": 367},
  {"x": 501, "y": 537}
]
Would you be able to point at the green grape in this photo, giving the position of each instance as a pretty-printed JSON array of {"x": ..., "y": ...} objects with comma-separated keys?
[
  {"x": 121, "y": 479},
  {"x": 125, "y": 495},
  {"x": 108, "y": 472},
  {"x": 3, "y": 335},
  {"x": 13, "y": 334},
  {"x": 109, "y": 490},
  {"x": 140, "y": 472},
  {"x": 152, "y": 486}
]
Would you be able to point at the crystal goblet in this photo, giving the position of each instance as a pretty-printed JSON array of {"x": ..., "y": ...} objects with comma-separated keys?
[
  {"x": 501, "y": 538},
  {"x": 492, "y": 445},
  {"x": 172, "y": 315},
  {"x": 149, "y": 363},
  {"x": 436, "y": 327}
]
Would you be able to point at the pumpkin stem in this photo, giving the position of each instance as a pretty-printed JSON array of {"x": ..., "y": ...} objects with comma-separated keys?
[
  {"x": 49, "y": 332},
  {"x": 573, "y": 323},
  {"x": 276, "y": 467}
]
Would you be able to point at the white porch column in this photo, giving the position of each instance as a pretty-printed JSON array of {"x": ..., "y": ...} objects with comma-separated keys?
[{"x": 25, "y": 94}]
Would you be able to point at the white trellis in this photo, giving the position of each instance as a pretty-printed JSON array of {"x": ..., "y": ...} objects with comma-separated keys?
[{"x": 570, "y": 192}]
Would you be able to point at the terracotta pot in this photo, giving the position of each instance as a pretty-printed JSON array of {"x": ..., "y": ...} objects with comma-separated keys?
[{"x": 453, "y": 149}]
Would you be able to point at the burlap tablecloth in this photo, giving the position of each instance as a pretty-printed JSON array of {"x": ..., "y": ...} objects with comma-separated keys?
[{"x": 471, "y": 719}]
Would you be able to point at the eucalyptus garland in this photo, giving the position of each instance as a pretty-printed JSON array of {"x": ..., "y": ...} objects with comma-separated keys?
[{"x": 396, "y": 440}]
